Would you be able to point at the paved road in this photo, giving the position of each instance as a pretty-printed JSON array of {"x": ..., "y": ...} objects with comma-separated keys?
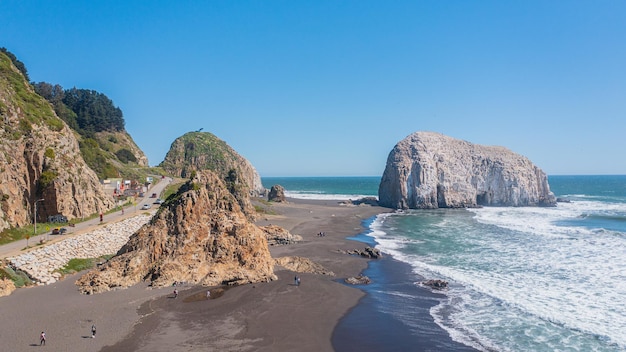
[{"x": 15, "y": 248}]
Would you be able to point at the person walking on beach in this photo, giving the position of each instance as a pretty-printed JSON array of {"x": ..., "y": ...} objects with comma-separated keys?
[
  {"x": 175, "y": 293},
  {"x": 42, "y": 339},
  {"x": 208, "y": 294},
  {"x": 297, "y": 281},
  {"x": 93, "y": 331}
]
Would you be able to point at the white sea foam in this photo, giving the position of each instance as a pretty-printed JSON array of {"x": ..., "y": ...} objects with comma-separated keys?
[
  {"x": 323, "y": 196},
  {"x": 523, "y": 271}
]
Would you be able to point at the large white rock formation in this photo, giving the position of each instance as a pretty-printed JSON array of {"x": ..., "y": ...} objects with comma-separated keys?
[{"x": 428, "y": 170}]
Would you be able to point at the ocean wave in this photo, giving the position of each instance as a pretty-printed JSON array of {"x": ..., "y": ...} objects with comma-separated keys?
[
  {"x": 556, "y": 282},
  {"x": 548, "y": 221},
  {"x": 323, "y": 196}
]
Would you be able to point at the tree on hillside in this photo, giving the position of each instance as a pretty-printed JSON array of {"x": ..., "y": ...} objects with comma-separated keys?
[
  {"x": 20, "y": 65},
  {"x": 55, "y": 94},
  {"x": 94, "y": 111}
]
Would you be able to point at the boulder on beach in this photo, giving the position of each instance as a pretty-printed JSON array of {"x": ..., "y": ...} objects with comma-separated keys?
[
  {"x": 276, "y": 194},
  {"x": 358, "y": 280},
  {"x": 277, "y": 235}
]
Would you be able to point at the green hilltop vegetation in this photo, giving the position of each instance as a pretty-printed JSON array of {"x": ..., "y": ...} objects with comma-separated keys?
[
  {"x": 35, "y": 109},
  {"x": 99, "y": 125},
  {"x": 204, "y": 147},
  {"x": 104, "y": 143}
]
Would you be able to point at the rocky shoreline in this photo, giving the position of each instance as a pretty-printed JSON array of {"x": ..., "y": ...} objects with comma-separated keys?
[{"x": 41, "y": 264}]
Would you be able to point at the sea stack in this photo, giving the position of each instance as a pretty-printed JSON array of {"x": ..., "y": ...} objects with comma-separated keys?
[{"x": 429, "y": 170}]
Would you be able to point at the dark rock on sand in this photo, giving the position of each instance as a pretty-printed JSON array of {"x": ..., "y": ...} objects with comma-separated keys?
[
  {"x": 368, "y": 252},
  {"x": 358, "y": 280},
  {"x": 277, "y": 194},
  {"x": 363, "y": 201},
  {"x": 435, "y": 284}
]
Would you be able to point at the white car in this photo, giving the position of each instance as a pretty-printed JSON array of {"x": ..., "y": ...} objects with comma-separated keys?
[{"x": 146, "y": 206}]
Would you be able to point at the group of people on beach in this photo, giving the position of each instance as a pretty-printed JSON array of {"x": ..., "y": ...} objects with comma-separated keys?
[
  {"x": 42, "y": 336},
  {"x": 321, "y": 234}
]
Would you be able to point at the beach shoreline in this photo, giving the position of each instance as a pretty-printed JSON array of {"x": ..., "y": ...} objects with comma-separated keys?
[{"x": 270, "y": 316}]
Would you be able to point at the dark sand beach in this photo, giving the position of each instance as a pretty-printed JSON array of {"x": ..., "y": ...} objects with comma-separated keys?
[{"x": 273, "y": 316}]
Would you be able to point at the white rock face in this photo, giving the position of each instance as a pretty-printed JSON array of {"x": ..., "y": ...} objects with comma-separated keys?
[{"x": 428, "y": 170}]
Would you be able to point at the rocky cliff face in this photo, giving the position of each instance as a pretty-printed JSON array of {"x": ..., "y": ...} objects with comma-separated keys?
[
  {"x": 429, "y": 170},
  {"x": 198, "y": 236},
  {"x": 40, "y": 159},
  {"x": 122, "y": 140}
]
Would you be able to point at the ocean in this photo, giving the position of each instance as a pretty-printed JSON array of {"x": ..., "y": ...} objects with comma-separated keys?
[{"x": 520, "y": 279}]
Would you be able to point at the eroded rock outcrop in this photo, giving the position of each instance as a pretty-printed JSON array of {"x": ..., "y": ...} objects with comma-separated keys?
[
  {"x": 428, "y": 170},
  {"x": 6, "y": 287},
  {"x": 368, "y": 252},
  {"x": 276, "y": 194},
  {"x": 358, "y": 280},
  {"x": 277, "y": 235},
  {"x": 198, "y": 236}
]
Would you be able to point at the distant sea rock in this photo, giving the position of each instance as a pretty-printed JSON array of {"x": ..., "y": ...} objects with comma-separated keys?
[{"x": 428, "y": 170}]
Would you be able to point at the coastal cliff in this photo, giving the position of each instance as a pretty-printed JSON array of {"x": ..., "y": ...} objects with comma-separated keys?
[
  {"x": 199, "y": 235},
  {"x": 428, "y": 170},
  {"x": 40, "y": 159}
]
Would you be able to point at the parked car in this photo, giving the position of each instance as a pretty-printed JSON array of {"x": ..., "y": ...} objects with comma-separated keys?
[
  {"x": 153, "y": 195},
  {"x": 158, "y": 201},
  {"x": 59, "y": 231},
  {"x": 146, "y": 206}
]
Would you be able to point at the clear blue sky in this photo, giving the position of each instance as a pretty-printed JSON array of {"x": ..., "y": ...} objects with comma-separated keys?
[{"x": 325, "y": 88}]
